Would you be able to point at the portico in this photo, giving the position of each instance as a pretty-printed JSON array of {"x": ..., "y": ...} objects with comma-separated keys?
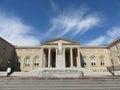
[{"x": 69, "y": 57}]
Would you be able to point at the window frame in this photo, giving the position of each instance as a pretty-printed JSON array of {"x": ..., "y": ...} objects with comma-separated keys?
[
  {"x": 93, "y": 61},
  {"x": 27, "y": 61},
  {"x": 36, "y": 61}
]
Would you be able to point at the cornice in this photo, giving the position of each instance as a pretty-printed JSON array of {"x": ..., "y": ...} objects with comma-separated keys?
[
  {"x": 56, "y": 39},
  {"x": 93, "y": 47},
  {"x": 115, "y": 41},
  {"x": 6, "y": 42},
  {"x": 27, "y": 47}
]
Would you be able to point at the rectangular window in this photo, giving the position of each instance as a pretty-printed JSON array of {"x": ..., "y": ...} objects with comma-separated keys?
[
  {"x": 19, "y": 61},
  {"x": 118, "y": 59},
  {"x": 84, "y": 61},
  {"x": 102, "y": 61},
  {"x": 93, "y": 62}
]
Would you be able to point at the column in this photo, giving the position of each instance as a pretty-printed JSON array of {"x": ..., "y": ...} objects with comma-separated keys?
[
  {"x": 41, "y": 62},
  {"x": 32, "y": 62},
  {"x": 56, "y": 52},
  {"x": 64, "y": 56},
  {"x": 56, "y": 57},
  {"x": 22, "y": 64},
  {"x": 71, "y": 58},
  {"x": 64, "y": 52},
  {"x": 49, "y": 54},
  {"x": 78, "y": 58}
]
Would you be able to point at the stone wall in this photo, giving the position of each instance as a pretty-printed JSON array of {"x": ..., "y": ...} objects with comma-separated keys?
[
  {"x": 114, "y": 52},
  {"x": 97, "y": 52},
  {"x": 31, "y": 53},
  {"x": 7, "y": 53}
]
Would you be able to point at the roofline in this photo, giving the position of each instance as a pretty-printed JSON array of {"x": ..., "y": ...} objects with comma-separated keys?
[
  {"x": 102, "y": 47},
  {"x": 112, "y": 43},
  {"x": 44, "y": 42},
  {"x": 6, "y": 42},
  {"x": 27, "y": 47}
]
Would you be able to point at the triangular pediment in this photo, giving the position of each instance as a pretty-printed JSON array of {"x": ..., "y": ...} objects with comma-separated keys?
[{"x": 63, "y": 40}]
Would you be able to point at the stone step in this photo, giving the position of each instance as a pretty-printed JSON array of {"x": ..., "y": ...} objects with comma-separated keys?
[
  {"x": 59, "y": 80},
  {"x": 47, "y": 82},
  {"x": 59, "y": 84},
  {"x": 61, "y": 88}
]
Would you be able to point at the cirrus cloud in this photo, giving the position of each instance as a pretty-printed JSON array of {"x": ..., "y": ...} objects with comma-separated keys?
[
  {"x": 73, "y": 21},
  {"x": 107, "y": 38}
]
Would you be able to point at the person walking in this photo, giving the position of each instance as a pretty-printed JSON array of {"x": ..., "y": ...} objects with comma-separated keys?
[{"x": 8, "y": 69}]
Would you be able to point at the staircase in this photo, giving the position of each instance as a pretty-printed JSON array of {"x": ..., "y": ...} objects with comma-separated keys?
[
  {"x": 88, "y": 72},
  {"x": 61, "y": 72},
  {"x": 58, "y": 84}
]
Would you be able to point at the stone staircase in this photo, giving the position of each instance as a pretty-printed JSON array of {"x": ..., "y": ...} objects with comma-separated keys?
[
  {"x": 59, "y": 72},
  {"x": 58, "y": 84},
  {"x": 88, "y": 72}
]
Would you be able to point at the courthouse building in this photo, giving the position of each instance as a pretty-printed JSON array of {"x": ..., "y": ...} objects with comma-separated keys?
[{"x": 60, "y": 53}]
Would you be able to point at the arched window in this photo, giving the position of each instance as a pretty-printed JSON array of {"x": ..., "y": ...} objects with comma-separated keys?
[
  {"x": 84, "y": 60},
  {"x": 102, "y": 61},
  {"x": 36, "y": 61},
  {"x": 27, "y": 61},
  {"x": 93, "y": 61}
]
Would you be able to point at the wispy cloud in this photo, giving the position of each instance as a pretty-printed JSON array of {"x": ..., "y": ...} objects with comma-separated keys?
[
  {"x": 54, "y": 6},
  {"x": 73, "y": 21},
  {"x": 15, "y": 31},
  {"x": 97, "y": 41},
  {"x": 113, "y": 33},
  {"x": 107, "y": 38}
]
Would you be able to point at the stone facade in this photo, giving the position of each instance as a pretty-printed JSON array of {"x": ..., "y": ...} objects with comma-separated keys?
[
  {"x": 96, "y": 58},
  {"x": 114, "y": 54},
  {"x": 7, "y": 53}
]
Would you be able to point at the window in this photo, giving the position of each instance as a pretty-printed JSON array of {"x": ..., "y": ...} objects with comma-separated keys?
[
  {"x": 1, "y": 59},
  {"x": 115, "y": 48},
  {"x": 19, "y": 61},
  {"x": 102, "y": 61},
  {"x": 93, "y": 62},
  {"x": 84, "y": 61},
  {"x": 119, "y": 59},
  {"x": 36, "y": 61},
  {"x": 4, "y": 47},
  {"x": 27, "y": 61}
]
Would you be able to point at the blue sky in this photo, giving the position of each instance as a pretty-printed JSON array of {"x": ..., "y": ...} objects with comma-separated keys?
[{"x": 28, "y": 22}]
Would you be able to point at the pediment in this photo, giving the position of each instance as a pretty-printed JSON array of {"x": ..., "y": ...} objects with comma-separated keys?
[{"x": 63, "y": 40}]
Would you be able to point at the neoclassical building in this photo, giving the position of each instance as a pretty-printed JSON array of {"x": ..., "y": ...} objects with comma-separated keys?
[{"x": 60, "y": 53}]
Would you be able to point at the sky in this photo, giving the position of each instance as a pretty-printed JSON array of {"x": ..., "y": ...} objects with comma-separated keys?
[{"x": 90, "y": 22}]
